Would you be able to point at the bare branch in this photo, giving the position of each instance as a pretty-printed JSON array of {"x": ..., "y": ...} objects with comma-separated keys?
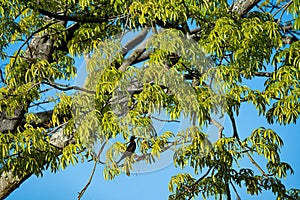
[
  {"x": 39, "y": 103},
  {"x": 164, "y": 120},
  {"x": 66, "y": 87},
  {"x": 263, "y": 74},
  {"x": 235, "y": 190},
  {"x": 135, "y": 41},
  {"x": 132, "y": 58},
  {"x": 218, "y": 125},
  {"x": 80, "y": 194},
  {"x": 286, "y": 6},
  {"x": 235, "y": 134}
]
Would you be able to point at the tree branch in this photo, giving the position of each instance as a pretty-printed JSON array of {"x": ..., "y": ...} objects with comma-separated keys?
[
  {"x": 66, "y": 87},
  {"x": 135, "y": 41},
  {"x": 235, "y": 134},
  {"x": 242, "y": 7},
  {"x": 80, "y": 194},
  {"x": 132, "y": 58},
  {"x": 164, "y": 120},
  {"x": 79, "y": 18},
  {"x": 235, "y": 190},
  {"x": 218, "y": 125},
  {"x": 193, "y": 187}
]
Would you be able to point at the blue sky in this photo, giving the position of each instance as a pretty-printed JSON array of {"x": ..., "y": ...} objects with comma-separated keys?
[{"x": 65, "y": 184}]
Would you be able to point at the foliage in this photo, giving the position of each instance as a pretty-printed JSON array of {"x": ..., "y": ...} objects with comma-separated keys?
[{"x": 194, "y": 65}]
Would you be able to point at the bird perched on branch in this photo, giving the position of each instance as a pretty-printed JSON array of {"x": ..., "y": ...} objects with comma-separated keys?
[{"x": 129, "y": 150}]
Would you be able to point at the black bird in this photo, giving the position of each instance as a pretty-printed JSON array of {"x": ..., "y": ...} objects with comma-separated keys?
[{"x": 129, "y": 150}]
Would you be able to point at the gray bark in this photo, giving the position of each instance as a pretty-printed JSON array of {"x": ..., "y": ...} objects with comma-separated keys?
[{"x": 42, "y": 47}]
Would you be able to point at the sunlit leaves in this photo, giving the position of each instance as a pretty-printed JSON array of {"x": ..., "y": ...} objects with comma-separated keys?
[
  {"x": 62, "y": 111},
  {"x": 280, "y": 169},
  {"x": 183, "y": 183},
  {"x": 180, "y": 77},
  {"x": 33, "y": 144},
  {"x": 284, "y": 84},
  {"x": 267, "y": 143},
  {"x": 192, "y": 150},
  {"x": 70, "y": 155}
]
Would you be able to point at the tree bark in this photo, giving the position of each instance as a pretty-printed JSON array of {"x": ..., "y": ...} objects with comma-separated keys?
[
  {"x": 8, "y": 182},
  {"x": 243, "y": 6},
  {"x": 38, "y": 44}
]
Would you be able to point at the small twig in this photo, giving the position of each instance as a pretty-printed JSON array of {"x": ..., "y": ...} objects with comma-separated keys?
[
  {"x": 153, "y": 129},
  {"x": 282, "y": 7},
  {"x": 80, "y": 194},
  {"x": 263, "y": 74},
  {"x": 192, "y": 187},
  {"x": 39, "y": 103},
  {"x": 202, "y": 177},
  {"x": 236, "y": 192},
  {"x": 45, "y": 90},
  {"x": 257, "y": 165},
  {"x": 1, "y": 77},
  {"x": 126, "y": 24},
  {"x": 66, "y": 87},
  {"x": 165, "y": 120},
  {"x": 235, "y": 134},
  {"x": 285, "y": 8}
]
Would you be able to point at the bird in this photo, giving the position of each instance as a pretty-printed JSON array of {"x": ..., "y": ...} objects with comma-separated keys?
[{"x": 129, "y": 150}]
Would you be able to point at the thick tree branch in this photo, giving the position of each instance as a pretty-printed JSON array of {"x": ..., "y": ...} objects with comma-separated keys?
[
  {"x": 10, "y": 182},
  {"x": 218, "y": 125},
  {"x": 132, "y": 58},
  {"x": 242, "y": 7},
  {"x": 135, "y": 41},
  {"x": 40, "y": 47}
]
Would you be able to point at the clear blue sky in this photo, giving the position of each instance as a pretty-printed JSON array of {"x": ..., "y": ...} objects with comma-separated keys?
[{"x": 65, "y": 184}]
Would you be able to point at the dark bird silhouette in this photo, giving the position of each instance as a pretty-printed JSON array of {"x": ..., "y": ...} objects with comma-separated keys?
[{"x": 129, "y": 150}]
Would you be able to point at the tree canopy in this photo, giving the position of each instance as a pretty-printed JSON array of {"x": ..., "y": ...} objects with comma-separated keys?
[{"x": 188, "y": 58}]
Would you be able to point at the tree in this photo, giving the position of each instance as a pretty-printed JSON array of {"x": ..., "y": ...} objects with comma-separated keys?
[{"x": 216, "y": 46}]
